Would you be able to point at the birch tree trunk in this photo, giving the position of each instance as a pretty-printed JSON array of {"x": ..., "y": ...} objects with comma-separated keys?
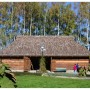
[
  {"x": 58, "y": 26},
  {"x": 80, "y": 32},
  {"x": 24, "y": 19},
  {"x": 88, "y": 27},
  {"x": 44, "y": 24},
  {"x": 11, "y": 18},
  {"x": 30, "y": 26},
  {"x": 89, "y": 30},
  {"x": 88, "y": 34}
]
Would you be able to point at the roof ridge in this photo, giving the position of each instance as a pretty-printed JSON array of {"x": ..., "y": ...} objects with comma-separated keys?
[{"x": 44, "y": 36}]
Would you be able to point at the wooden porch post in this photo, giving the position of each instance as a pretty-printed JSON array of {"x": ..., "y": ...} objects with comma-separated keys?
[
  {"x": 53, "y": 65},
  {"x": 26, "y": 63}
]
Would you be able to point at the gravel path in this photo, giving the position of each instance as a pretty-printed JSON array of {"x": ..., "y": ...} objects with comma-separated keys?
[
  {"x": 72, "y": 77},
  {"x": 72, "y": 72}
]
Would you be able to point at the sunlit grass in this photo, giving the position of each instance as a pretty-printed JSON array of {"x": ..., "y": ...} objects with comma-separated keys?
[{"x": 33, "y": 81}]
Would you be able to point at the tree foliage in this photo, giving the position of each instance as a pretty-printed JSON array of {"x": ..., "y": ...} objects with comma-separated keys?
[{"x": 42, "y": 18}]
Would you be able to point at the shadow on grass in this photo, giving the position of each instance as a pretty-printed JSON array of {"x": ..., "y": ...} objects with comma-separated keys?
[
  {"x": 26, "y": 73},
  {"x": 49, "y": 74}
]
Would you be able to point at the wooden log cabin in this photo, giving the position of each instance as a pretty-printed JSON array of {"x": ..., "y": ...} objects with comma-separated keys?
[{"x": 61, "y": 52}]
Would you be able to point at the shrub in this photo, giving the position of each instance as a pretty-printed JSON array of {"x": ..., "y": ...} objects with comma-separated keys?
[
  {"x": 6, "y": 72},
  {"x": 42, "y": 65},
  {"x": 82, "y": 71}
]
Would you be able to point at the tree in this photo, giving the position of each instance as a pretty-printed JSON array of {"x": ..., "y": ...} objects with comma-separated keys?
[
  {"x": 67, "y": 20},
  {"x": 44, "y": 10},
  {"x": 56, "y": 15},
  {"x": 49, "y": 22},
  {"x": 62, "y": 18},
  {"x": 77, "y": 31},
  {"x": 4, "y": 22},
  {"x": 32, "y": 11},
  {"x": 82, "y": 22},
  {"x": 85, "y": 10}
]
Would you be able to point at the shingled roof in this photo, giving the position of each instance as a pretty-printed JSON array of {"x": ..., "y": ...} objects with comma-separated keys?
[{"x": 54, "y": 45}]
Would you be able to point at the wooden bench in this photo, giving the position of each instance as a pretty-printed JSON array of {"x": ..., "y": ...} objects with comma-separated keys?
[{"x": 60, "y": 70}]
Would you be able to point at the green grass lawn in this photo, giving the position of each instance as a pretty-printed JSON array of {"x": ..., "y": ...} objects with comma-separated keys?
[{"x": 33, "y": 81}]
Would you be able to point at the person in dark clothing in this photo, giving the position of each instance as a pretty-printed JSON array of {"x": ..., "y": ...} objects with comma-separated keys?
[{"x": 77, "y": 66}]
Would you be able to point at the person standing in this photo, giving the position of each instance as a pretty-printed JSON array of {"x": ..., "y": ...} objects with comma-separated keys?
[{"x": 75, "y": 68}]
